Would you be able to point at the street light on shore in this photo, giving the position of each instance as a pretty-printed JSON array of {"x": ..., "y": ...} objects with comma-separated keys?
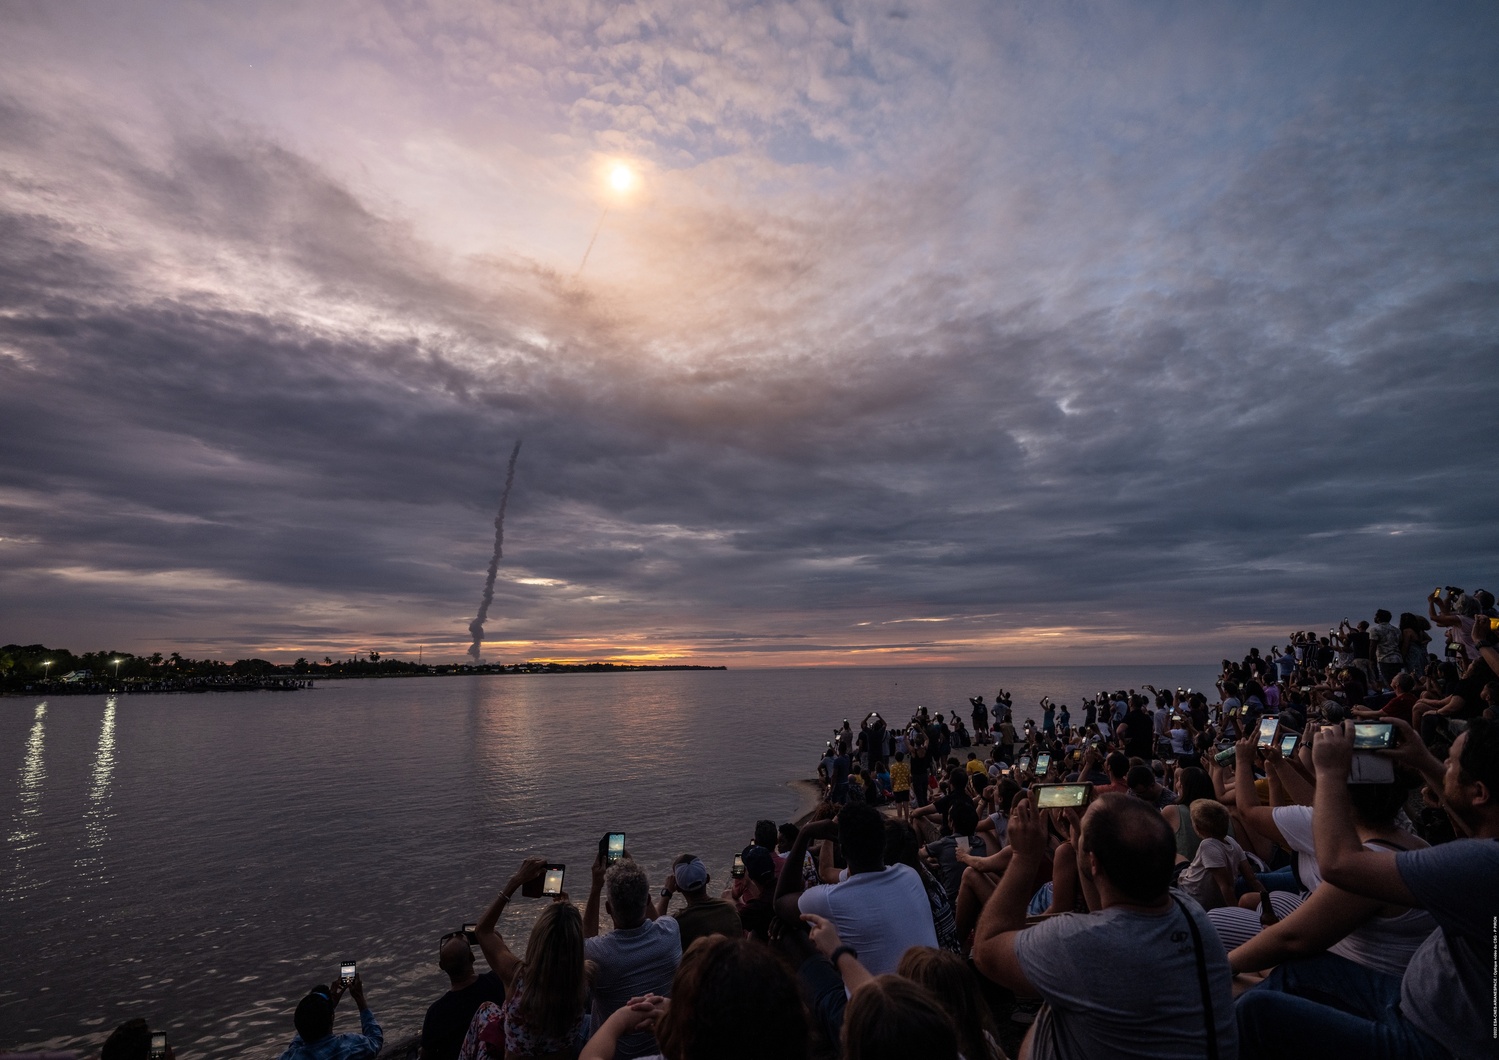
[
  {"x": 46, "y": 669},
  {"x": 117, "y": 671}
]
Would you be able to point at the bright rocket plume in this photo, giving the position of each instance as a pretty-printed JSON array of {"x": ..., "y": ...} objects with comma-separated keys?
[{"x": 476, "y": 627}]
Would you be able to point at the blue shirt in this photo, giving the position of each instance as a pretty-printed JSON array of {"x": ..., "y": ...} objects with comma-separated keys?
[{"x": 340, "y": 1046}]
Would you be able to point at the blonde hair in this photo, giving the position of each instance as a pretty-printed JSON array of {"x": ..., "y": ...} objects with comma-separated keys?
[
  {"x": 553, "y": 971},
  {"x": 1209, "y": 818}
]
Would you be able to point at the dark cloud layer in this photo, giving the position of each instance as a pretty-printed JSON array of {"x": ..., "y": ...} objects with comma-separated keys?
[{"x": 247, "y": 408}]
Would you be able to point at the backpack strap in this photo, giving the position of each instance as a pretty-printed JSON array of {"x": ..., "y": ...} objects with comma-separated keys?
[{"x": 1202, "y": 981}]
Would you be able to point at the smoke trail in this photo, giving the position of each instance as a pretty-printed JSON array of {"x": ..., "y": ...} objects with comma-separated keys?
[
  {"x": 476, "y": 627},
  {"x": 591, "y": 241}
]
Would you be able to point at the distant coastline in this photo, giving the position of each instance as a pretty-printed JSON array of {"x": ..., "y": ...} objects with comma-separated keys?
[{"x": 34, "y": 668}]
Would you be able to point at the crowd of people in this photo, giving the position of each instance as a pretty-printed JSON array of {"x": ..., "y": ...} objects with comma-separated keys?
[{"x": 1303, "y": 862}]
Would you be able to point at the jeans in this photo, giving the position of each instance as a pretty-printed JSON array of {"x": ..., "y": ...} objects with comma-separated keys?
[
  {"x": 1327, "y": 1007},
  {"x": 1276, "y": 879}
]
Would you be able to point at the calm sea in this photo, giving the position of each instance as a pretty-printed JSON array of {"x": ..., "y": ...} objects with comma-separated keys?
[{"x": 201, "y": 860}]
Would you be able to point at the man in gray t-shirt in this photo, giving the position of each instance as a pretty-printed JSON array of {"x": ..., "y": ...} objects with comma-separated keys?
[
  {"x": 1444, "y": 1004},
  {"x": 638, "y": 957},
  {"x": 1091, "y": 968}
]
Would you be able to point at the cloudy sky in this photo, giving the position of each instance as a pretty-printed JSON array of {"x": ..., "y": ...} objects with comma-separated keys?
[{"x": 930, "y": 332}]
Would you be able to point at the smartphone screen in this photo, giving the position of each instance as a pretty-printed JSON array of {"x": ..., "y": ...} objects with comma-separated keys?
[
  {"x": 347, "y": 970},
  {"x": 158, "y": 1045},
  {"x": 1024, "y": 763},
  {"x": 1373, "y": 735},
  {"x": 1267, "y": 732},
  {"x": 1061, "y": 796},
  {"x": 615, "y": 848},
  {"x": 1288, "y": 744},
  {"x": 552, "y": 885},
  {"x": 1043, "y": 762},
  {"x": 738, "y": 870},
  {"x": 963, "y": 843}
]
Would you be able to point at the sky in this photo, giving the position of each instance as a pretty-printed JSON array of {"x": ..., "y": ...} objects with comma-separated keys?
[{"x": 948, "y": 333}]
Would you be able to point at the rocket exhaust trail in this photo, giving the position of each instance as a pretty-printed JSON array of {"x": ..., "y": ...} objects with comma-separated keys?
[
  {"x": 591, "y": 241},
  {"x": 476, "y": 627}
]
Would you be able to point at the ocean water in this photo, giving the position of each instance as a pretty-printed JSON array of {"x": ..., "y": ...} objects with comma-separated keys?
[{"x": 201, "y": 860}]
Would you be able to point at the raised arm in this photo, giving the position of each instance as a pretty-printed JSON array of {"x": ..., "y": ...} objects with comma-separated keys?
[
  {"x": 491, "y": 943},
  {"x": 789, "y": 886},
  {"x": 1247, "y": 799},
  {"x": 595, "y": 893},
  {"x": 1004, "y": 913},
  {"x": 1341, "y": 855}
]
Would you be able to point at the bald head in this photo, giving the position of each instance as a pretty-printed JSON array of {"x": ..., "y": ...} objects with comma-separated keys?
[
  {"x": 1133, "y": 845},
  {"x": 456, "y": 958}
]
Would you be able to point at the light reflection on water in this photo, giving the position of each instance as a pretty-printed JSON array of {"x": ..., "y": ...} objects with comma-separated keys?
[
  {"x": 24, "y": 835},
  {"x": 98, "y": 814},
  {"x": 251, "y": 841}
]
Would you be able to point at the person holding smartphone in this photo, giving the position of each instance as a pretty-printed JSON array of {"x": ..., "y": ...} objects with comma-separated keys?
[
  {"x": 133, "y": 1040},
  {"x": 448, "y": 1017},
  {"x": 315, "y": 1039}
]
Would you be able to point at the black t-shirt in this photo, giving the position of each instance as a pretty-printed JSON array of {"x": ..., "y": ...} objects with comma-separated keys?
[
  {"x": 1471, "y": 687},
  {"x": 1140, "y": 732},
  {"x": 449, "y": 1016}
]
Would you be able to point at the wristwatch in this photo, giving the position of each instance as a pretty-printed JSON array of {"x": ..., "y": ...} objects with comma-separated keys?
[
  {"x": 665, "y": 892},
  {"x": 839, "y": 952}
]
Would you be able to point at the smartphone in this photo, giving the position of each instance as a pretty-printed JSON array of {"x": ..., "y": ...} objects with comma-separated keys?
[
  {"x": 1061, "y": 796},
  {"x": 964, "y": 843},
  {"x": 347, "y": 970},
  {"x": 1268, "y": 728},
  {"x": 613, "y": 846},
  {"x": 1373, "y": 735},
  {"x": 552, "y": 881},
  {"x": 1288, "y": 744},
  {"x": 1024, "y": 765},
  {"x": 158, "y": 1045},
  {"x": 470, "y": 932},
  {"x": 1043, "y": 763},
  {"x": 738, "y": 870}
]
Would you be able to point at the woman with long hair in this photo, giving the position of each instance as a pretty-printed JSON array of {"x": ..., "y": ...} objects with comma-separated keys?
[
  {"x": 956, "y": 988},
  {"x": 542, "y": 1017},
  {"x": 731, "y": 999}
]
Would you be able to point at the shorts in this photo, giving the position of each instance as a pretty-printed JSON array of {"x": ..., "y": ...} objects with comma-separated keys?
[{"x": 904, "y": 795}]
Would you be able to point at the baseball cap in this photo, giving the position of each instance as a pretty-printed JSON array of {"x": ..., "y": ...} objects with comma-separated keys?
[
  {"x": 758, "y": 864},
  {"x": 691, "y": 875}
]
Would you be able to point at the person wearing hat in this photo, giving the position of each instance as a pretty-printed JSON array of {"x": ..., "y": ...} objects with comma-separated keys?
[
  {"x": 315, "y": 1039},
  {"x": 703, "y": 915}
]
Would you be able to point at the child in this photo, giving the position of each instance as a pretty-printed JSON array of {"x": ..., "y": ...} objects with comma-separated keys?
[
  {"x": 900, "y": 786},
  {"x": 1210, "y": 876}
]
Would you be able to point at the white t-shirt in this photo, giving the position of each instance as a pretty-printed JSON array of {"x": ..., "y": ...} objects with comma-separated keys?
[
  {"x": 1197, "y": 878},
  {"x": 1295, "y": 824},
  {"x": 880, "y": 914}
]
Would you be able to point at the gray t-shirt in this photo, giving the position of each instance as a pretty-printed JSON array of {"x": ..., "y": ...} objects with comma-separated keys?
[
  {"x": 633, "y": 962},
  {"x": 1088, "y": 1014},
  {"x": 1448, "y": 986}
]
